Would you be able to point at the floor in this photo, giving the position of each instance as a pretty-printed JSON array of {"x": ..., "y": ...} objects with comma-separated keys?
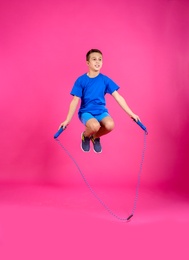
[{"x": 56, "y": 222}]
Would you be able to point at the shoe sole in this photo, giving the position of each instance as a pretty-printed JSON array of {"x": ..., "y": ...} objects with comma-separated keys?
[{"x": 97, "y": 152}]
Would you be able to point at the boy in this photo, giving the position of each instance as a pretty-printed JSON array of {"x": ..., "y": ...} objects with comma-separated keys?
[{"x": 91, "y": 88}]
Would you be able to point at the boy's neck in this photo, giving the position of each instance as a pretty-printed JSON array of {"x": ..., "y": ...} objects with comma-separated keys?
[{"x": 93, "y": 74}]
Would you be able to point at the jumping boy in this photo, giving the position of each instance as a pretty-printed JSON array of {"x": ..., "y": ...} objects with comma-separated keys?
[{"x": 91, "y": 88}]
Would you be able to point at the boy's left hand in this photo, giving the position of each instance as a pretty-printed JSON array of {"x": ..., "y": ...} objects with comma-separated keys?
[{"x": 135, "y": 117}]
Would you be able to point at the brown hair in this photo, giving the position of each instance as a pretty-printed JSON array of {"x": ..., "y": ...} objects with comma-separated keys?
[{"x": 91, "y": 51}]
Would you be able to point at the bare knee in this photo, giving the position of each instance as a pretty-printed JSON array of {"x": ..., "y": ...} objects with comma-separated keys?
[
  {"x": 93, "y": 125},
  {"x": 109, "y": 125}
]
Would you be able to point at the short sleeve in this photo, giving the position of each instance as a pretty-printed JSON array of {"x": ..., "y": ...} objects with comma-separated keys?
[
  {"x": 77, "y": 89},
  {"x": 111, "y": 86}
]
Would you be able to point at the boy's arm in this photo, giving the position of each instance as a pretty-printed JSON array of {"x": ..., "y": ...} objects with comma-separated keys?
[
  {"x": 121, "y": 101},
  {"x": 71, "y": 111}
]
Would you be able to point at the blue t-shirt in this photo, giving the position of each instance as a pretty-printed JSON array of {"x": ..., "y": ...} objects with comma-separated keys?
[{"x": 92, "y": 92}]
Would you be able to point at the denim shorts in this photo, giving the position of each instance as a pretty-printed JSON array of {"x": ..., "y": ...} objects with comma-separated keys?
[{"x": 86, "y": 116}]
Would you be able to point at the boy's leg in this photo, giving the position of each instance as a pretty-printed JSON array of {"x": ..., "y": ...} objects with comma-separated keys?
[
  {"x": 106, "y": 126},
  {"x": 95, "y": 128},
  {"x": 92, "y": 127}
]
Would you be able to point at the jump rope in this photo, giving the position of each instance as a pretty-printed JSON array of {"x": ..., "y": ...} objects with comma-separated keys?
[{"x": 90, "y": 188}]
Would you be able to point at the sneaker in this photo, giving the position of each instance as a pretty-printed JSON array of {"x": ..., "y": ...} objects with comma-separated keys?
[
  {"x": 85, "y": 143},
  {"x": 96, "y": 145}
]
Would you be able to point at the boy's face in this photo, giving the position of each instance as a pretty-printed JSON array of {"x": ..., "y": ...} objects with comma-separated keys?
[{"x": 95, "y": 61}]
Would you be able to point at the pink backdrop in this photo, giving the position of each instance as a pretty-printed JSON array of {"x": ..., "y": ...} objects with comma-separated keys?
[{"x": 42, "y": 49}]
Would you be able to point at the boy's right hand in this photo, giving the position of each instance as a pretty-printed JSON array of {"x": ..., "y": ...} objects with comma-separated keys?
[{"x": 63, "y": 125}]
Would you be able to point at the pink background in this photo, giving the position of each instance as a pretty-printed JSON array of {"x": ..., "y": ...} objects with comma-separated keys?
[
  {"x": 145, "y": 47},
  {"x": 42, "y": 52}
]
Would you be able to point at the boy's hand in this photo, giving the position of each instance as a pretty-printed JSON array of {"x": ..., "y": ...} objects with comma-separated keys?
[
  {"x": 63, "y": 125},
  {"x": 135, "y": 117}
]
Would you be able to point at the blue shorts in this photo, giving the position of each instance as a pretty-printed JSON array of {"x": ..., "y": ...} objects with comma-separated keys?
[{"x": 86, "y": 116}]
